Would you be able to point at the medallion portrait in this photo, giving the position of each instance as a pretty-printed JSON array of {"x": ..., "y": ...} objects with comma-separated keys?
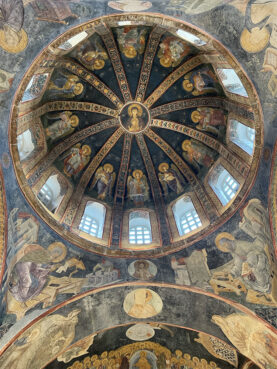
[
  {"x": 142, "y": 303},
  {"x": 140, "y": 332},
  {"x": 134, "y": 117},
  {"x": 142, "y": 269}
]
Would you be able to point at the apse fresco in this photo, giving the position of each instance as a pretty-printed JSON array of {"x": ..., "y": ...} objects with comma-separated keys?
[{"x": 138, "y": 222}]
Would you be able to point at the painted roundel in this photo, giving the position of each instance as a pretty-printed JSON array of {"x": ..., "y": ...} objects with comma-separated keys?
[{"x": 135, "y": 134}]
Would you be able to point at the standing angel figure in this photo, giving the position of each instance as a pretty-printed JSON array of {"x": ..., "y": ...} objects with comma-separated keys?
[
  {"x": 197, "y": 154},
  {"x": 62, "y": 127},
  {"x": 104, "y": 180},
  {"x": 76, "y": 159},
  {"x": 138, "y": 189},
  {"x": 170, "y": 178}
]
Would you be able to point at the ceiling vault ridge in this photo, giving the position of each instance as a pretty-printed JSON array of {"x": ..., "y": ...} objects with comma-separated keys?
[
  {"x": 164, "y": 228},
  {"x": 87, "y": 76},
  {"x": 232, "y": 158},
  {"x": 187, "y": 172},
  {"x": 50, "y": 157},
  {"x": 88, "y": 173}
]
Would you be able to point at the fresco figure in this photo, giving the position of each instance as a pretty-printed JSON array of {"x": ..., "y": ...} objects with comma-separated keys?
[
  {"x": 142, "y": 362},
  {"x": 104, "y": 181},
  {"x": 53, "y": 10},
  {"x": 92, "y": 54},
  {"x": 13, "y": 38},
  {"x": 200, "y": 82},
  {"x": 6, "y": 80},
  {"x": 138, "y": 189},
  {"x": 135, "y": 123},
  {"x": 142, "y": 303},
  {"x": 131, "y": 40},
  {"x": 76, "y": 159},
  {"x": 142, "y": 270},
  {"x": 172, "y": 51},
  {"x": 250, "y": 337},
  {"x": 53, "y": 333},
  {"x": 197, "y": 154},
  {"x": 249, "y": 261},
  {"x": 65, "y": 85},
  {"x": 170, "y": 178},
  {"x": 62, "y": 127},
  {"x": 208, "y": 119}
]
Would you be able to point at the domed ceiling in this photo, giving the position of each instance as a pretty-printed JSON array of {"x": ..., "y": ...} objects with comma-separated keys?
[
  {"x": 138, "y": 184},
  {"x": 134, "y": 113}
]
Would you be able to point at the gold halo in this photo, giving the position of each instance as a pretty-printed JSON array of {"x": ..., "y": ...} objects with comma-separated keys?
[
  {"x": 108, "y": 166},
  {"x": 195, "y": 116},
  {"x": 59, "y": 246},
  {"x": 135, "y": 106},
  {"x": 165, "y": 62},
  {"x": 255, "y": 40},
  {"x": 98, "y": 64},
  {"x": 219, "y": 237},
  {"x": 163, "y": 167},
  {"x": 74, "y": 121},
  {"x": 187, "y": 85},
  {"x": 186, "y": 144},
  {"x": 130, "y": 52},
  {"x": 86, "y": 150},
  {"x": 14, "y": 49},
  {"x": 78, "y": 89},
  {"x": 137, "y": 171}
]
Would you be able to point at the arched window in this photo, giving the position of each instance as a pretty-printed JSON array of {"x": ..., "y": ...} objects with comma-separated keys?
[
  {"x": 186, "y": 217},
  {"x": 187, "y": 36},
  {"x": 242, "y": 136},
  {"x": 35, "y": 87},
  {"x": 73, "y": 41},
  {"x": 25, "y": 144},
  {"x": 93, "y": 219},
  {"x": 45, "y": 195},
  {"x": 140, "y": 232},
  {"x": 52, "y": 193},
  {"x": 223, "y": 184},
  {"x": 232, "y": 82}
]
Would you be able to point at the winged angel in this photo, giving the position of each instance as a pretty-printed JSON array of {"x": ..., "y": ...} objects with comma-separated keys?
[
  {"x": 138, "y": 189},
  {"x": 170, "y": 178},
  {"x": 104, "y": 181}
]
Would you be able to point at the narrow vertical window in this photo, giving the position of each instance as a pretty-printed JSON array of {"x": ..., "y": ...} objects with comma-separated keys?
[
  {"x": 93, "y": 219},
  {"x": 186, "y": 217},
  {"x": 140, "y": 228},
  {"x": 223, "y": 184},
  {"x": 242, "y": 136},
  {"x": 232, "y": 82},
  {"x": 25, "y": 144},
  {"x": 52, "y": 192}
]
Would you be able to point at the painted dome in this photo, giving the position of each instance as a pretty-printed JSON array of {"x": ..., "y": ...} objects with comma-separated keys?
[{"x": 135, "y": 134}]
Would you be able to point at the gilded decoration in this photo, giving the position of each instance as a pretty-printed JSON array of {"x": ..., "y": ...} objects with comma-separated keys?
[
  {"x": 82, "y": 138},
  {"x": 162, "y": 355}
]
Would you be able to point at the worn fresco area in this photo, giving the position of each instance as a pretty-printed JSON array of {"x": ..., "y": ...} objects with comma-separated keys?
[{"x": 41, "y": 270}]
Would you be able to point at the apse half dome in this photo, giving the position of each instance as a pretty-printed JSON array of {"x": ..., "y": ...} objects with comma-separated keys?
[{"x": 135, "y": 134}]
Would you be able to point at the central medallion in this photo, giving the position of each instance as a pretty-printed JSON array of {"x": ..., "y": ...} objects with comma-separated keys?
[{"x": 134, "y": 117}]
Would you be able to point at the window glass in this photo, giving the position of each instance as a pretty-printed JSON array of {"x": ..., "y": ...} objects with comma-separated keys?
[
  {"x": 223, "y": 184},
  {"x": 93, "y": 219},
  {"x": 190, "y": 37},
  {"x": 52, "y": 193},
  {"x": 140, "y": 228},
  {"x": 25, "y": 144},
  {"x": 73, "y": 41},
  {"x": 35, "y": 87},
  {"x": 232, "y": 82},
  {"x": 186, "y": 217},
  {"x": 242, "y": 136}
]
